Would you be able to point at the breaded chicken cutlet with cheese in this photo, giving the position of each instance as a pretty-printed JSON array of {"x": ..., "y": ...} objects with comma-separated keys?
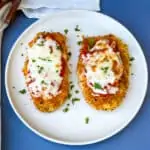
[
  {"x": 103, "y": 71},
  {"x": 46, "y": 71}
]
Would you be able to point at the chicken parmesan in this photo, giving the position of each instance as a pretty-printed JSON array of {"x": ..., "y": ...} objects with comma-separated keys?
[
  {"x": 46, "y": 70},
  {"x": 103, "y": 71}
]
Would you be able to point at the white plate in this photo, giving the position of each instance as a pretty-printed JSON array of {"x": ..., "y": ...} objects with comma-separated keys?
[{"x": 70, "y": 128}]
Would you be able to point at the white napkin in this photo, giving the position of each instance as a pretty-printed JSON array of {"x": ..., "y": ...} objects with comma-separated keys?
[{"x": 39, "y": 8}]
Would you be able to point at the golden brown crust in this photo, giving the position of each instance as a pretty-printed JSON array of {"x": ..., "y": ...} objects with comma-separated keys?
[
  {"x": 49, "y": 105},
  {"x": 105, "y": 102}
]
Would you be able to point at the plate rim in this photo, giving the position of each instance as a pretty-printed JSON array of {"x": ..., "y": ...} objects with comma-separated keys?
[{"x": 39, "y": 133}]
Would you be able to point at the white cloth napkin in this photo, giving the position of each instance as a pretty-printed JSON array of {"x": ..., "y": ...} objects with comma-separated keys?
[{"x": 39, "y": 8}]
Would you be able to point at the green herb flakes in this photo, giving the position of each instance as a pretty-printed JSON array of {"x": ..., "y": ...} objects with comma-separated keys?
[
  {"x": 58, "y": 47},
  {"x": 69, "y": 95},
  {"x": 79, "y": 42},
  {"x": 97, "y": 86},
  {"x": 23, "y": 91},
  {"x": 66, "y": 109},
  {"x": 76, "y": 91},
  {"x": 91, "y": 42},
  {"x": 71, "y": 87},
  {"x": 87, "y": 120},
  {"x": 75, "y": 100},
  {"x": 77, "y": 28},
  {"x": 40, "y": 69},
  {"x": 44, "y": 59},
  {"x": 43, "y": 82},
  {"x": 66, "y": 31},
  {"x": 105, "y": 69},
  {"x": 132, "y": 58},
  {"x": 33, "y": 60},
  {"x": 69, "y": 54},
  {"x": 40, "y": 44}
]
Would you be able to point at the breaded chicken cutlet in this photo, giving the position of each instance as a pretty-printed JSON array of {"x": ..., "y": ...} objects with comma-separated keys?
[
  {"x": 46, "y": 71},
  {"x": 103, "y": 71}
]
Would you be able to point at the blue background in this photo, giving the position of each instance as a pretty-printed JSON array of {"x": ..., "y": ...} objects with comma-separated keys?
[{"x": 135, "y": 15}]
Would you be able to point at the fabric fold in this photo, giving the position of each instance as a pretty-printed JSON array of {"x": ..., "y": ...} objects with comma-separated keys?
[{"x": 38, "y": 8}]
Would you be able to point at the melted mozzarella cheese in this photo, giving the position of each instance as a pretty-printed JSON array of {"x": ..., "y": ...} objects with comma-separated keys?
[
  {"x": 44, "y": 68},
  {"x": 99, "y": 68},
  {"x": 100, "y": 45}
]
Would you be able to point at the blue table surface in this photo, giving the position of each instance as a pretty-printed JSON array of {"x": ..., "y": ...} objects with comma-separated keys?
[{"x": 135, "y": 15}]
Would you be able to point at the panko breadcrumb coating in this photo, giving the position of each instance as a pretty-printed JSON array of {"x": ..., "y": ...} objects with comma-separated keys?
[
  {"x": 106, "y": 101},
  {"x": 51, "y": 104}
]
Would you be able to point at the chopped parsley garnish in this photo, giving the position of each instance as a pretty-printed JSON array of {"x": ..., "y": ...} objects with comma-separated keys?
[
  {"x": 66, "y": 109},
  {"x": 91, "y": 42},
  {"x": 77, "y": 28},
  {"x": 33, "y": 60},
  {"x": 79, "y": 42},
  {"x": 97, "y": 86},
  {"x": 75, "y": 100},
  {"x": 71, "y": 87},
  {"x": 70, "y": 82},
  {"x": 40, "y": 69},
  {"x": 51, "y": 49},
  {"x": 132, "y": 58},
  {"x": 87, "y": 120},
  {"x": 105, "y": 69},
  {"x": 43, "y": 82},
  {"x": 69, "y": 95},
  {"x": 23, "y": 91},
  {"x": 68, "y": 104},
  {"x": 76, "y": 91},
  {"x": 69, "y": 54},
  {"x": 66, "y": 31},
  {"x": 41, "y": 44},
  {"x": 132, "y": 74},
  {"x": 58, "y": 47},
  {"x": 56, "y": 71},
  {"x": 44, "y": 59}
]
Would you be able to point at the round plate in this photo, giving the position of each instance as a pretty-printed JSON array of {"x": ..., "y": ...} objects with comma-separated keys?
[{"x": 70, "y": 127}]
